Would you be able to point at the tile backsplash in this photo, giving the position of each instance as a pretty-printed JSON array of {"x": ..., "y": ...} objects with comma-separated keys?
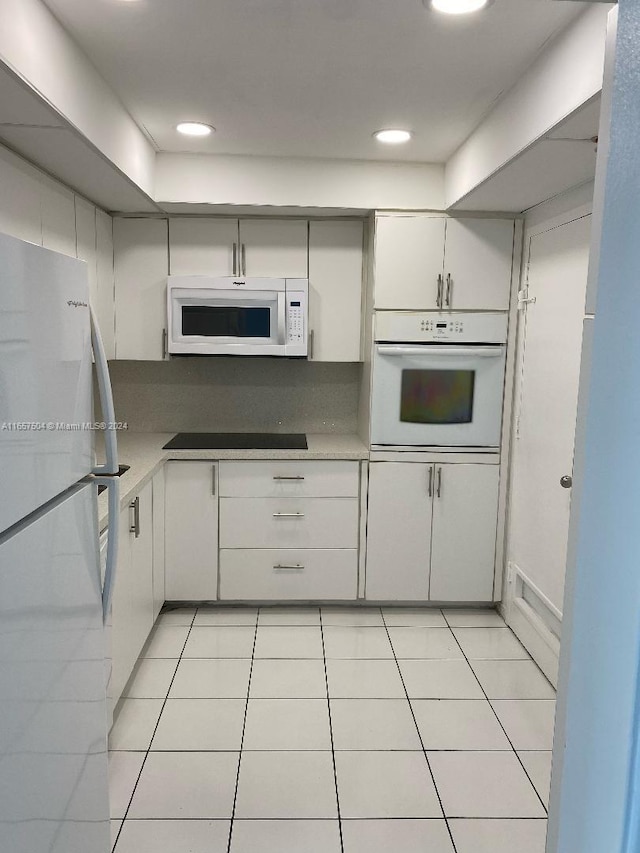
[{"x": 236, "y": 394}]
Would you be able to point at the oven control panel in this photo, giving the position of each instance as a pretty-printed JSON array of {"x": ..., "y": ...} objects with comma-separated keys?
[{"x": 427, "y": 327}]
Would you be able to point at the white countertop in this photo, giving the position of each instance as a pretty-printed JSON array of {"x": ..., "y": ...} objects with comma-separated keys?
[{"x": 144, "y": 452}]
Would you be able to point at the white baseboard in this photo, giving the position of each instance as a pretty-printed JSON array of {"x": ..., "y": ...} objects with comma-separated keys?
[{"x": 533, "y": 631}]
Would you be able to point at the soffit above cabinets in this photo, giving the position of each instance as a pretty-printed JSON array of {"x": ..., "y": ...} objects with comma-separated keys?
[
  {"x": 33, "y": 129},
  {"x": 310, "y": 78},
  {"x": 564, "y": 158}
]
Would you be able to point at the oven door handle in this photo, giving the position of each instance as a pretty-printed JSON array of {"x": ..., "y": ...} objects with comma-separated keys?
[{"x": 439, "y": 350}]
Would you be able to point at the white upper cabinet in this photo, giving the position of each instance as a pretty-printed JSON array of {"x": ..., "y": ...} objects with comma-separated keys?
[
  {"x": 477, "y": 264},
  {"x": 423, "y": 263},
  {"x": 463, "y": 548},
  {"x": 274, "y": 248},
  {"x": 335, "y": 290},
  {"x": 85, "y": 214},
  {"x": 409, "y": 262},
  {"x": 105, "y": 306},
  {"x": 203, "y": 247},
  {"x": 19, "y": 198},
  {"x": 58, "y": 218},
  {"x": 141, "y": 269}
]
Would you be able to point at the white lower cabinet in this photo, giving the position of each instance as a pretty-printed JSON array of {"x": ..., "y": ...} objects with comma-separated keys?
[
  {"x": 431, "y": 531},
  {"x": 288, "y": 574},
  {"x": 191, "y": 531},
  {"x": 158, "y": 543},
  {"x": 133, "y": 608}
]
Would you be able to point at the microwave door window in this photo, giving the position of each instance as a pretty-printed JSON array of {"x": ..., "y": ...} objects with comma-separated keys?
[
  {"x": 226, "y": 321},
  {"x": 437, "y": 396}
]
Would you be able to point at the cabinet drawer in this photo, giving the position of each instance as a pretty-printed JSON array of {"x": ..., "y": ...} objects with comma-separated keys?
[
  {"x": 289, "y": 522},
  {"x": 304, "y": 479},
  {"x": 288, "y": 574}
]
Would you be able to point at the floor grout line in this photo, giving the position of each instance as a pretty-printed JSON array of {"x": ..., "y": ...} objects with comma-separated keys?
[
  {"x": 333, "y": 753},
  {"x": 515, "y": 751},
  {"x": 148, "y": 750},
  {"x": 415, "y": 722},
  {"x": 244, "y": 725}
]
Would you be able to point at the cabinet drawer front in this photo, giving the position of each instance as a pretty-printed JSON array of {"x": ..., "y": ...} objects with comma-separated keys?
[
  {"x": 288, "y": 574},
  {"x": 304, "y": 479},
  {"x": 289, "y": 522}
]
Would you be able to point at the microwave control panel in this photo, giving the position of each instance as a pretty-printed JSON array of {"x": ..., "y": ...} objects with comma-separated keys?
[{"x": 296, "y": 313}]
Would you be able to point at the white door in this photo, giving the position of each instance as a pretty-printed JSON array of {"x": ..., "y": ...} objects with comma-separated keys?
[
  {"x": 203, "y": 247},
  {"x": 335, "y": 290},
  {"x": 191, "y": 531},
  {"x": 274, "y": 248},
  {"x": 399, "y": 531},
  {"x": 477, "y": 264},
  {"x": 465, "y": 517},
  {"x": 409, "y": 256},
  {"x": 141, "y": 269},
  {"x": 546, "y": 405}
]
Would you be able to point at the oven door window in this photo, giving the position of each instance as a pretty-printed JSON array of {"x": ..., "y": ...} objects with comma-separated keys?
[
  {"x": 437, "y": 396},
  {"x": 226, "y": 321}
]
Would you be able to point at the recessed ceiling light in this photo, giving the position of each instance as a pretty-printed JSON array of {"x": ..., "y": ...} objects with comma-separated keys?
[
  {"x": 457, "y": 7},
  {"x": 392, "y": 136},
  {"x": 194, "y": 128}
]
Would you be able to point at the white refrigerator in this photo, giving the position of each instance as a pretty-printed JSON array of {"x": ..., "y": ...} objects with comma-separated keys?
[{"x": 53, "y": 718}]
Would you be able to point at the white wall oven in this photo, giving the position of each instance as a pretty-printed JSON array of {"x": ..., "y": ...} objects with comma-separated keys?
[
  {"x": 237, "y": 316},
  {"x": 438, "y": 380}
]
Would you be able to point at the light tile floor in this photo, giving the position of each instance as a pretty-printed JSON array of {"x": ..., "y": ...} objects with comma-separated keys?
[{"x": 332, "y": 730}]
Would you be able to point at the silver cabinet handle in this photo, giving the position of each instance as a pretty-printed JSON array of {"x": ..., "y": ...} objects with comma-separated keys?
[
  {"x": 243, "y": 259},
  {"x": 164, "y": 344},
  {"x": 235, "y": 258},
  {"x": 430, "y": 487},
  {"x": 288, "y": 515},
  {"x": 439, "y": 486},
  {"x": 213, "y": 480},
  {"x": 289, "y": 478},
  {"x": 312, "y": 336},
  {"x": 135, "y": 527},
  {"x": 566, "y": 482},
  {"x": 449, "y": 290},
  {"x": 439, "y": 291},
  {"x": 296, "y": 567}
]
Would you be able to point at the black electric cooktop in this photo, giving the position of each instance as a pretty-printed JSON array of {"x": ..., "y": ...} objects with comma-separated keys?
[{"x": 237, "y": 441}]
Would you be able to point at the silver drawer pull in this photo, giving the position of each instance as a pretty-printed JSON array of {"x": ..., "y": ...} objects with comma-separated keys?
[
  {"x": 288, "y": 515},
  {"x": 288, "y": 478},
  {"x": 283, "y": 566}
]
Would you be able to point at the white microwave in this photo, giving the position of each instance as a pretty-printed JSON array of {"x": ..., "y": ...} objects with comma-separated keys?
[{"x": 237, "y": 316}]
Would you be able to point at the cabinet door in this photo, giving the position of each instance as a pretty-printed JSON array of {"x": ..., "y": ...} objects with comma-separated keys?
[
  {"x": 478, "y": 256},
  {"x": 58, "y": 218},
  {"x": 191, "y": 531},
  {"x": 141, "y": 269},
  {"x": 142, "y": 565},
  {"x": 465, "y": 517},
  {"x": 398, "y": 531},
  {"x": 409, "y": 257},
  {"x": 20, "y": 213},
  {"x": 106, "y": 298},
  {"x": 274, "y": 248},
  {"x": 203, "y": 247},
  {"x": 335, "y": 290},
  {"x": 158, "y": 543},
  {"x": 85, "y": 214}
]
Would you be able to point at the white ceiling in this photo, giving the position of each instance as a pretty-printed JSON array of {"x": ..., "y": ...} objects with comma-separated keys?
[{"x": 311, "y": 78}]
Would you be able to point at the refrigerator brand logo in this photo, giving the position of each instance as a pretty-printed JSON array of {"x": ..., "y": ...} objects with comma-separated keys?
[
  {"x": 73, "y": 303},
  {"x": 239, "y": 283}
]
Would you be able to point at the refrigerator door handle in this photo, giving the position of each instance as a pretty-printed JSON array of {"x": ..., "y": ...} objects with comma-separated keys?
[
  {"x": 106, "y": 400},
  {"x": 113, "y": 536}
]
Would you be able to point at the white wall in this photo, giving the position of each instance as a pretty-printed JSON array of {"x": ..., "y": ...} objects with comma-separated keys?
[
  {"x": 350, "y": 184},
  {"x": 35, "y": 45},
  {"x": 36, "y": 208},
  {"x": 566, "y": 75}
]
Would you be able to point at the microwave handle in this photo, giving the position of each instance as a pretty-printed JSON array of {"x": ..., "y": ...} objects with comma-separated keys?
[
  {"x": 282, "y": 314},
  {"x": 439, "y": 350}
]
